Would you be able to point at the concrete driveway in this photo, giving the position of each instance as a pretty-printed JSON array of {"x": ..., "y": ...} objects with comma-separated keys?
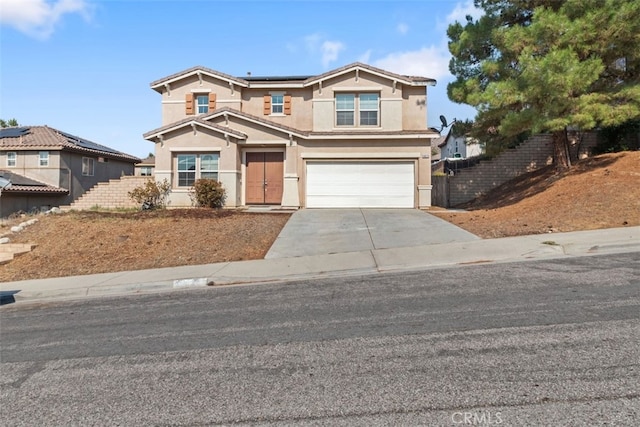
[{"x": 330, "y": 231}]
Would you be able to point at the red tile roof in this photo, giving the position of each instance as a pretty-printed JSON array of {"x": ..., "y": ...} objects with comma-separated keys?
[{"x": 47, "y": 138}]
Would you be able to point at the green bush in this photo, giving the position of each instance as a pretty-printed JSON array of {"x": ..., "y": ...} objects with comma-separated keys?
[
  {"x": 151, "y": 194},
  {"x": 208, "y": 193}
]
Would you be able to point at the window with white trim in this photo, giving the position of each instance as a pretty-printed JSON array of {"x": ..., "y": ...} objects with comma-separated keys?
[
  {"x": 364, "y": 106},
  {"x": 345, "y": 109},
  {"x": 88, "y": 166},
  {"x": 368, "y": 109},
  {"x": 146, "y": 171},
  {"x": 44, "y": 159},
  {"x": 277, "y": 104},
  {"x": 196, "y": 166},
  {"x": 202, "y": 104},
  {"x": 12, "y": 159}
]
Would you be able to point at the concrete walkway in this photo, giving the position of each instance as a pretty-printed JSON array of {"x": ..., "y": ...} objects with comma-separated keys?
[
  {"x": 474, "y": 251},
  {"x": 331, "y": 231}
]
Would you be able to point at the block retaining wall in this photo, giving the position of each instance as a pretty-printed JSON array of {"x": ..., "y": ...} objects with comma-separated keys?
[
  {"x": 535, "y": 153},
  {"x": 109, "y": 195}
]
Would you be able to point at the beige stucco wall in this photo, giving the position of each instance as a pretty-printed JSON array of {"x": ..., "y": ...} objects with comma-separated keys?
[
  {"x": 414, "y": 108},
  {"x": 301, "y": 116},
  {"x": 173, "y": 101}
]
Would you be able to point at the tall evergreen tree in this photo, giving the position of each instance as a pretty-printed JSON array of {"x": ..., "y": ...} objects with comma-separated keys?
[{"x": 546, "y": 66}]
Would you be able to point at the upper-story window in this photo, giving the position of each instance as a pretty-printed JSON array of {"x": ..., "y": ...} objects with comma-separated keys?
[
  {"x": 345, "y": 109},
  {"x": 277, "y": 104},
  {"x": 368, "y": 109},
  {"x": 199, "y": 103},
  {"x": 88, "y": 166},
  {"x": 364, "y": 106},
  {"x": 12, "y": 157},
  {"x": 202, "y": 104},
  {"x": 44, "y": 159}
]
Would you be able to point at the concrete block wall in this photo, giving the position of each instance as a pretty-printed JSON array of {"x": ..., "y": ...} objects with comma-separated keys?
[
  {"x": 109, "y": 195},
  {"x": 467, "y": 184},
  {"x": 534, "y": 153}
]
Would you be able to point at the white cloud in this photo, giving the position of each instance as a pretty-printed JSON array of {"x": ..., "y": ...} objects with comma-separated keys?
[
  {"x": 330, "y": 51},
  {"x": 38, "y": 18},
  {"x": 430, "y": 62},
  {"x": 460, "y": 12},
  {"x": 402, "y": 28}
]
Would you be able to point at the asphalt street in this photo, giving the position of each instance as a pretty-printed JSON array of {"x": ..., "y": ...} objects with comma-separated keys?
[{"x": 553, "y": 342}]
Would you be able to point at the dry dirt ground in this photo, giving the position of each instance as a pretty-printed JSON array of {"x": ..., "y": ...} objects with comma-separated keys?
[
  {"x": 597, "y": 192},
  {"x": 600, "y": 192}
]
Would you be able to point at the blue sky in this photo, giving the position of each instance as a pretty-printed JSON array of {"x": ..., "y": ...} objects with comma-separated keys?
[{"x": 84, "y": 66}]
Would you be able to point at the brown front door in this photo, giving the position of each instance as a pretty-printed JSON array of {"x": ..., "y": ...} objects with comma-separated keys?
[{"x": 265, "y": 172}]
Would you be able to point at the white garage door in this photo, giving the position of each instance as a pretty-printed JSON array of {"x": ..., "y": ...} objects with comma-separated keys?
[{"x": 360, "y": 184}]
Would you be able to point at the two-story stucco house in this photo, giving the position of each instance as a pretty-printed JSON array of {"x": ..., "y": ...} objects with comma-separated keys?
[
  {"x": 42, "y": 167},
  {"x": 355, "y": 136}
]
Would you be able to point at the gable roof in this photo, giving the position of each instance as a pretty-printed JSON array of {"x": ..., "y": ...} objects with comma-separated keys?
[
  {"x": 21, "y": 184},
  {"x": 23, "y": 138},
  {"x": 297, "y": 81},
  {"x": 357, "y": 66},
  {"x": 193, "y": 121},
  {"x": 198, "y": 69}
]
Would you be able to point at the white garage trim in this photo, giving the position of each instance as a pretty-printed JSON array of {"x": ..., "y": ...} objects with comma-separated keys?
[
  {"x": 360, "y": 156},
  {"x": 360, "y": 184}
]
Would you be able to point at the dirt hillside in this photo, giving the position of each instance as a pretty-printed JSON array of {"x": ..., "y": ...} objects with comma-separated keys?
[{"x": 598, "y": 192}]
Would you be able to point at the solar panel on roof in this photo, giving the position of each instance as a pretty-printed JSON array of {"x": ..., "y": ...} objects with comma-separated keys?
[
  {"x": 88, "y": 144},
  {"x": 13, "y": 132}
]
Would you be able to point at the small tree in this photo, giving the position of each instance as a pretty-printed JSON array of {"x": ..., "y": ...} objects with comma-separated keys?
[
  {"x": 8, "y": 123},
  {"x": 208, "y": 193},
  {"x": 151, "y": 194}
]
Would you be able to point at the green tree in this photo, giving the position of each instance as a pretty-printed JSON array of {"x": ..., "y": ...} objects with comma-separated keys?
[
  {"x": 548, "y": 66},
  {"x": 8, "y": 123}
]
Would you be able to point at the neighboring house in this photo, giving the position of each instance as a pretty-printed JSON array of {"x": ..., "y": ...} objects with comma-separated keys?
[
  {"x": 459, "y": 147},
  {"x": 43, "y": 167},
  {"x": 146, "y": 166},
  {"x": 355, "y": 136}
]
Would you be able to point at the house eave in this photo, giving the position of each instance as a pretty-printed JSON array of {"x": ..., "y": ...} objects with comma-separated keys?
[{"x": 158, "y": 85}]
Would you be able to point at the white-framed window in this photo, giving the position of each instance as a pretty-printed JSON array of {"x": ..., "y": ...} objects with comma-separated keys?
[
  {"x": 365, "y": 106},
  {"x": 277, "y": 103},
  {"x": 88, "y": 166},
  {"x": 12, "y": 159},
  {"x": 368, "y": 109},
  {"x": 146, "y": 171},
  {"x": 195, "y": 166},
  {"x": 202, "y": 104},
  {"x": 44, "y": 159},
  {"x": 345, "y": 109}
]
